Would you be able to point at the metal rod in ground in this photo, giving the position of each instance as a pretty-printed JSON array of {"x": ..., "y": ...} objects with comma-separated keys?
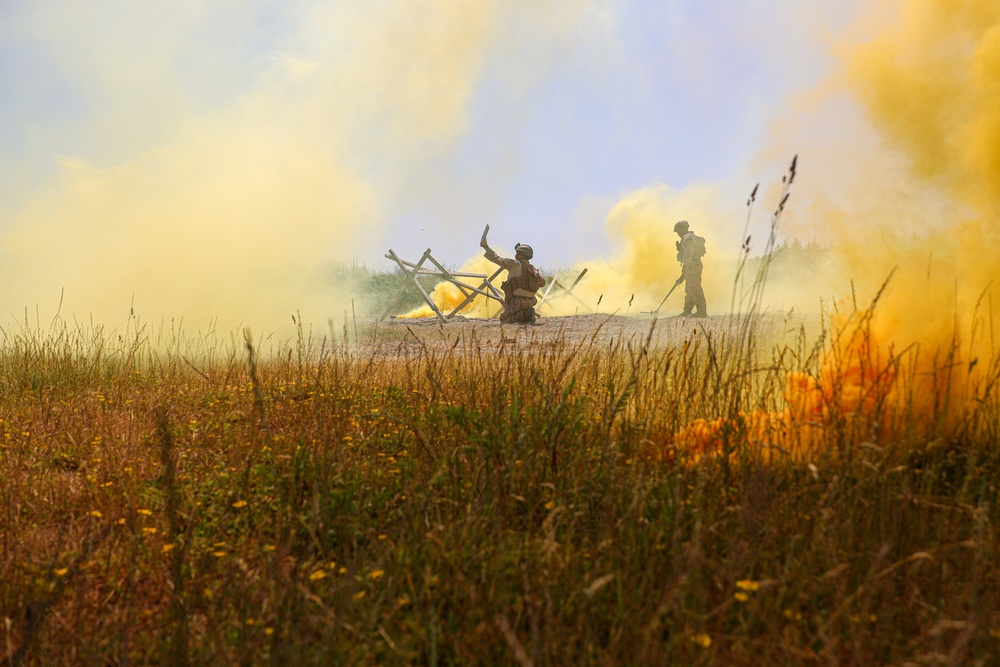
[{"x": 657, "y": 311}]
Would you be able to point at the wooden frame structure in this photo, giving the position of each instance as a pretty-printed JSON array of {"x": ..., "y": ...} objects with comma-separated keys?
[
  {"x": 417, "y": 270},
  {"x": 563, "y": 291}
]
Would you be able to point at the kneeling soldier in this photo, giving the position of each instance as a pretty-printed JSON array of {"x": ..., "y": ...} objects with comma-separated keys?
[{"x": 523, "y": 281}]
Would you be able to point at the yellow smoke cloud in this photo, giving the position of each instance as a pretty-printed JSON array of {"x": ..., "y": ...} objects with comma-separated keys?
[
  {"x": 930, "y": 82},
  {"x": 214, "y": 227},
  {"x": 642, "y": 263},
  {"x": 217, "y": 177}
]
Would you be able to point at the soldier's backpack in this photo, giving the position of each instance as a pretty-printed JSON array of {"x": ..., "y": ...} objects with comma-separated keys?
[
  {"x": 534, "y": 279},
  {"x": 698, "y": 246}
]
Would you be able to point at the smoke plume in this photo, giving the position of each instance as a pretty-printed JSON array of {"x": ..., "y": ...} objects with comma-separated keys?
[{"x": 216, "y": 158}]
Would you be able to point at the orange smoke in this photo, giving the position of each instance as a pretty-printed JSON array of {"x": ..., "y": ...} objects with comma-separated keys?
[
  {"x": 853, "y": 392},
  {"x": 865, "y": 391}
]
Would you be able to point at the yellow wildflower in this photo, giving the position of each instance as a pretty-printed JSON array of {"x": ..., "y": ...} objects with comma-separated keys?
[{"x": 793, "y": 615}]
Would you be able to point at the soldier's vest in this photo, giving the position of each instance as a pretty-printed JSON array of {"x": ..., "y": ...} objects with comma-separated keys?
[{"x": 526, "y": 284}]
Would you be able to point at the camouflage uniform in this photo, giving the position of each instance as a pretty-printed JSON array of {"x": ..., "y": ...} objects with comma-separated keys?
[
  {"x": 694, "y": 294},
  {"x": 519, "y": 298}
]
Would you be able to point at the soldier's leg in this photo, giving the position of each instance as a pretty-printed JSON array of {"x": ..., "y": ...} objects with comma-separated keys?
[
  {"x": 525, "y": 312},
  {"x": 688, "y": 302},
  {"x": 532, "y": 313},
  {"x": 697, "y": 291},
  {"x": 509, "y": 312},
  {"x": 688, "y": 296},
  {"x": 700, "y": 305}
]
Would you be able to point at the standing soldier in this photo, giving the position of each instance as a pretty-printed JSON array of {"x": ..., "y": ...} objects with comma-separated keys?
[
  {"x": 523, "y": 280},
  {"x": 690, "y": 250}
]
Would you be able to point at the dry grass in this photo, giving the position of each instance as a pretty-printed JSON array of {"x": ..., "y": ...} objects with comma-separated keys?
[{"x": 480, "y": 495}]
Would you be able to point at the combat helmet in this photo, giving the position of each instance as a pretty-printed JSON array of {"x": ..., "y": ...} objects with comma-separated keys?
[
  {"x": 681, "y": 227},
  {"x": 524, "y": 250}
]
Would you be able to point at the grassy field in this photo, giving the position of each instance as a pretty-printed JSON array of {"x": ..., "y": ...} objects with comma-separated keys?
[{"x": 532, "y": 496}]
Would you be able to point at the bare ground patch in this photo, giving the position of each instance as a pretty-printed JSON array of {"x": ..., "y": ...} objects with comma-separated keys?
[{"x": 397, "y": 335}]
